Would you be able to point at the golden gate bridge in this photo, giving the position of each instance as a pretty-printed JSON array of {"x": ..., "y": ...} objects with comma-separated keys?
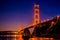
[{"x": 49, "y": 29}]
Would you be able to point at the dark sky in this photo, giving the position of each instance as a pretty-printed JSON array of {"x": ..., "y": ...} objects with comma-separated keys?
[{"x": 16, "y": 12}]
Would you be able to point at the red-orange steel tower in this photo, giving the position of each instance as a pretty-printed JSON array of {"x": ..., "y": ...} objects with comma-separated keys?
[{"x": 36, "y": 14}]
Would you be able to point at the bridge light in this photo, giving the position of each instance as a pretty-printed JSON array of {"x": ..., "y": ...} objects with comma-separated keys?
[
  {"x": 57, "y": 17},
  {"x": 47, "y": 19},
  {"x": 51, "y": 38},
  {"x": 53, "y": 23},
  {"x": 44, "y": 20}
]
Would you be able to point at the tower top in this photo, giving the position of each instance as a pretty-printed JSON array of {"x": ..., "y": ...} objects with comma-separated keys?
[{"x": 36, "y": 6}]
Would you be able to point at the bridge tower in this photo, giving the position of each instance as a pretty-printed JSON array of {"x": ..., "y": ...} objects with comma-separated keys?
[{"x": 36, "y": 14}]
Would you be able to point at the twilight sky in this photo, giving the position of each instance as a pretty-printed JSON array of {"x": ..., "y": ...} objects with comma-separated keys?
[{"x": 16, "y": 12}]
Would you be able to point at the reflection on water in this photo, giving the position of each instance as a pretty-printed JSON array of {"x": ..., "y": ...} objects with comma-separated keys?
[
  {"x": 17, "y": 38},
  {"x": 42, "y": 39}
]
